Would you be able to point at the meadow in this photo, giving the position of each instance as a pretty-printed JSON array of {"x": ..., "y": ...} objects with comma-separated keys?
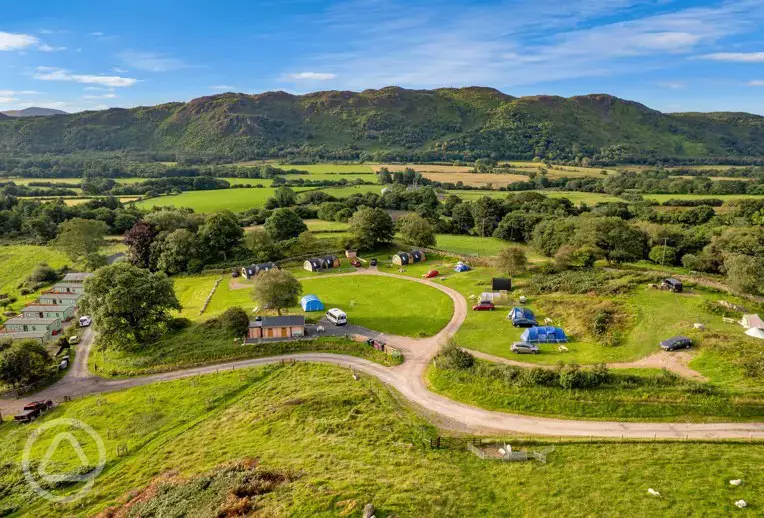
[
  {"x": 340, "y": 444},
  {"x": 18, "y": 262},
  {"x": 726, "y": 197},
  {"x": 590, "y": 198}
]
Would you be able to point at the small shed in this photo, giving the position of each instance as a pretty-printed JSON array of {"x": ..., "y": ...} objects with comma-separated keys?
[
  {"x": 417, "y": 256},
  {"x": 544, "y": 335},
  {"x": 402, "y": 259},
  {"x": 501, "y": 284},
  {"x": 253, "y": 269},
  {"x": 311, "y": 303},
  {"x": 351, "y": 254},
  {"x": 287, "y": 326},
  {"x": 461, "y": 267}
]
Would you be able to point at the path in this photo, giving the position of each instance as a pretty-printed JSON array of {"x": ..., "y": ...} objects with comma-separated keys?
[{"x": 408, "y": 380}]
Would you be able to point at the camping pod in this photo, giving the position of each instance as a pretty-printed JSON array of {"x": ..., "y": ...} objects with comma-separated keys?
[
  {"x": 401, "y": 259},
  {"x": 417, "y": 256}
]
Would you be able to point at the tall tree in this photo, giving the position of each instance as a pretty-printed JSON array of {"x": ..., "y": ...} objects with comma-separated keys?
[
  {"x": 284, "y": 224},
  {"x": 81, "y": 239},
  {"x": 176, "y": 250},
  {"x": 276, "y": 289},
  {"x": 24, "y": 362},
  {"x": 262, "y": 246},
  {"x": 370, "y": 227},
  {"x": 511, "y": 260},
  {"x": 219, "y": 234},
  {"x": 617, "y": 240},
  {"x": 138, "y": 240},
  {"x": 130, "y": 306},
  {"x": 416, "y": 230},
  {"x": 461, "y": 218}
]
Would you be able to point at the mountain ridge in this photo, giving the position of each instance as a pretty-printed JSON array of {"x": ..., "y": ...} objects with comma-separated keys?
[
  {"x": 33, "y": 111},
  {"x": 390, "y": 122}
]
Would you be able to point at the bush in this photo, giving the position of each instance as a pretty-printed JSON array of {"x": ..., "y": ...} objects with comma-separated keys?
[
  {"x": 235, "y": 321},
  {"x": 665, "y": 255},
  {"x": 43, "y": 274},
  {"x": 25, "y": 362},
  {"x": 539, "y": 376},
  {"x": 454, "y": 357}
]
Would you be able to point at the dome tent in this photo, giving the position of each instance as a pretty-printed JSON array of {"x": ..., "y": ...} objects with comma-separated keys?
[
  {"x": 311, "y": 303},
  {"x": 461, "y": 267}
]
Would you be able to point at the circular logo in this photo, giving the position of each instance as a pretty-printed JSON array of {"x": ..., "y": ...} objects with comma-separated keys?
[{"x": 52, "y": 479}]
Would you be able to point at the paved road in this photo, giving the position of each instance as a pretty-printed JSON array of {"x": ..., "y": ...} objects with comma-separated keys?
[{"x": 408, "y": 379}]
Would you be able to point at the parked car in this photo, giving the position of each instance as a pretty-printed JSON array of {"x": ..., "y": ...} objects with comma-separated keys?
[
  {"x": 431, "y": 274},
  {"x": 672, "y": 285},
  {"x": 356, "y": 263},
  {"x": 676, "y": 342},
  {"x": 41, "y": 405},
  {"x": 522, "y": 317},
  {"x": 484, "y": 306},
  {"x": 74, "y": 340},
  {"x": 85, "y": 321},
  {"x": 337, "y": 317},
  {"x": 524, "y": 348},
  {"x": 373, "y": 262},
  {"x": 64, "y": 363}
]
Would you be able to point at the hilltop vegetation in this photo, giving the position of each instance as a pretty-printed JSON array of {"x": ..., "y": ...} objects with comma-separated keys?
[{"x": 394, "y": 123}]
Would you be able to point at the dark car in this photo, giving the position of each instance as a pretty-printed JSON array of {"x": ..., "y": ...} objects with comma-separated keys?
[
  {"x": 673, "y": 285},
  {"x": 676, "y": 342},
  {"x": 373, "y": 262},
  {"x": 522, "y": 317},
  {"x": 484, "y": 306}
]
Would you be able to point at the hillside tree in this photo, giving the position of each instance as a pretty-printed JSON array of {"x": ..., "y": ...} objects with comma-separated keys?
[
  {"x": 511, "y": 260},
  {"x": 416, "y": 231},
  {"x": 371, "y": 226},
  {"x": 219, "y": 234},
  {"x": 81, "y": 239},
  {"x": 284, "y": 224},
  {"x": 276, "y": 289}
]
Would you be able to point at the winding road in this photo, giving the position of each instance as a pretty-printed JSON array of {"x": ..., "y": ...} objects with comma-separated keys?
[{"x": 408, "y": 379}]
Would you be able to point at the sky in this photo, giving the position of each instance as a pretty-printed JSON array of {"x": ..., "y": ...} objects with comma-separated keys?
[{"x": 672, "y": 55}]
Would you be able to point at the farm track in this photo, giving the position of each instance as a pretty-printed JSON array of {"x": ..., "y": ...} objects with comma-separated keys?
[{"x": 408, "y": 379}]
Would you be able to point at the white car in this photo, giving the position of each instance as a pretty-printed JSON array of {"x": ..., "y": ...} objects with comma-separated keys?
[
  {"x": 85, "y": 321},
  {"x": 337, "y": 317},
  {"x": 74, "y": 340}
]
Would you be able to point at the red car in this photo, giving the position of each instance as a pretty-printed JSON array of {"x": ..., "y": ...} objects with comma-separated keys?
[
  {"x": 356, "y": 263},
  {"x": 484, "y": 306},
  {"x": 431, "y": 274}
]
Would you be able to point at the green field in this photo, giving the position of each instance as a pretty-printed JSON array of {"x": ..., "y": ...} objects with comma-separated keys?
[
  {"x": 478, "y": 246},
  {"x": 726, "y": 197},
  {"x": 315, "y": 169},
  {"x": 343, "y": 444},
  {"x": 236, "y": 200},
  {"x": 590, "y": 198},
  {"x": 631, "y": 395},
  {"x": 18, "y": 261}
]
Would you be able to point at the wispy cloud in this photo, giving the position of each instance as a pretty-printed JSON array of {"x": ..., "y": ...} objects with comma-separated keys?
[
  {"x": 60, "y": 74},
  {"x": 151, "y": 61},
  {"x": 119, "y": 70},
  {"x": 12, "y": 41},
  {"x": 222, "y": 87},
  {"x": 7, "y": 93},
  {"x": 104, "y": 96},
  {"x": 48, "y": 48},
  {"x": 311, "y": 76},
  {"x": 737, "y": 57},
  {"x": 757, "y": 82},
  {"x": 673, "y": 85},
  {"x": 520, "y": 43}
]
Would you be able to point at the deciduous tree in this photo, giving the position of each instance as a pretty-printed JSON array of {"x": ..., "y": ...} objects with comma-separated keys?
[
  {"x": 511, "y": 260},
  {"x": 370, "y": 227},
  {"x": 79, "y": 238},
  {"x": 276, "y": 289},
  {"x": 417, "y": 231},
  {"x": 284, "y": 224}
]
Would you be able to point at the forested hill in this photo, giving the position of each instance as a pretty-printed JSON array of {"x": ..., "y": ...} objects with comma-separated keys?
[{"x": 394, "y": 123}]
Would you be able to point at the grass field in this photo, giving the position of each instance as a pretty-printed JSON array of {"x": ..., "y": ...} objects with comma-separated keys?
[
  {"x": 236, "y": 200},
  {"x": 478, "y": 246},
  {"x": 726, "y": 197},
  {"x": 477, "y": 179},
  {"x": 344, "y": 443},
  {"x": 632, "y": 395},
  {"x": 18, "y": 261},
  {"x": 329, "y": 168},
  {"x": 590, "y": 198}
]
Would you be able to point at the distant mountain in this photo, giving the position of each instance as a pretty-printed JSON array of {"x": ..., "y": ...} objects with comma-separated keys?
[
  {"x": 33, "y": 112},
  {"x": 395, "y": 123}
]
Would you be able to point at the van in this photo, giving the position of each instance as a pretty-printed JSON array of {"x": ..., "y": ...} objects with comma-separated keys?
[{"x": 337, "y": 317}]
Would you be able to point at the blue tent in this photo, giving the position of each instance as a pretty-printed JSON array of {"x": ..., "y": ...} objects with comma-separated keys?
[
  {"x": 311, "y": 303},
  {"x": 461, "y": 267},
  {"x": 544, "y": 335}
]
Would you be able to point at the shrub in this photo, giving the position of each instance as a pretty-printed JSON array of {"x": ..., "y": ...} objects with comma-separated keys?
[
  {"x": 25, "y": 362},
  {"x": 235, "y": 321},
  {"x": 43, "y": 273},
  {"x": 539, "y": 376},
  {"x": 665, "y": 255},
  {"x": 454, "y": 357}
]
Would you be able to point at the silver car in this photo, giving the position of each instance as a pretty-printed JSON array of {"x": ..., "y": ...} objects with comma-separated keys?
[{"x": 524, "y": 348}]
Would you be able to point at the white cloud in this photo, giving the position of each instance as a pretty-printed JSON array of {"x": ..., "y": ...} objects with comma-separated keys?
[
  {"x": 6, "y": 100},
  {"x": 737, "y": 57},
  {"x": 758, "y": 82},
  {"x": 152, "y": 62},
  {"x": 18, "y": 92},
  {"x": 47, "y": 48},
  {"x": 96, "y": 34},
  {"x": 222, "y": 87},
  {"x": 674, "y": 85},
  {"x": 104, "y": 96},
  {"x": 119, "y": 70},
  {"x": 11, "y": 41},
  {"x": 60, "y": 74},
  {"x": 312, "y": 76}
]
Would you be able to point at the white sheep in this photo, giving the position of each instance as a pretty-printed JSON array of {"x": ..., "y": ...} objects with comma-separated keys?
[
  {"x": 741, "y": 504},
  {"x": 653, "y": 492}
]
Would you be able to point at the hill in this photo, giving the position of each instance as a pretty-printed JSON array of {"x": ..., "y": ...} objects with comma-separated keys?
[
  {"x": 33, "y": 112},
  {"x": 394, "y": 123}
]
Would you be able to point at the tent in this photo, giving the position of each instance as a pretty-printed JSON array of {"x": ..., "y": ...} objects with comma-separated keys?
[
  {"x": 461, "y": 267},
  {"x": 544, "y": 334},
  {"x": 756, "y": 332},
  {"x": 752, "y": 322},
  {"x": 311, "y": 303},
  {"x": 491, "y": 296}
]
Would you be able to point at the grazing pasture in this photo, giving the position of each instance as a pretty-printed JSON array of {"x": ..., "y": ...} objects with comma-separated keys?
[
  {"x": 590, "y": 198},
  {"x": 18, "y": 262},
  {"x": 726, "y": 197},
  {"x": 339, "y": 444},
  {"x": 236, "y": 200},
  {"x": 477, "y": 179}
]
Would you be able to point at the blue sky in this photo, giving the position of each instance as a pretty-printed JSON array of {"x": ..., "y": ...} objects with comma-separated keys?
[{"x": 672, "y": 55}]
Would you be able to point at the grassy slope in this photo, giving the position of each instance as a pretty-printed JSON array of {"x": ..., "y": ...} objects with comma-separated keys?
[
  {"x": 18, "y": 261},
  {"x": 589, "y": 198},
  {"x": 348, "y": 442},
  {"x": 651, "y": 401}
]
